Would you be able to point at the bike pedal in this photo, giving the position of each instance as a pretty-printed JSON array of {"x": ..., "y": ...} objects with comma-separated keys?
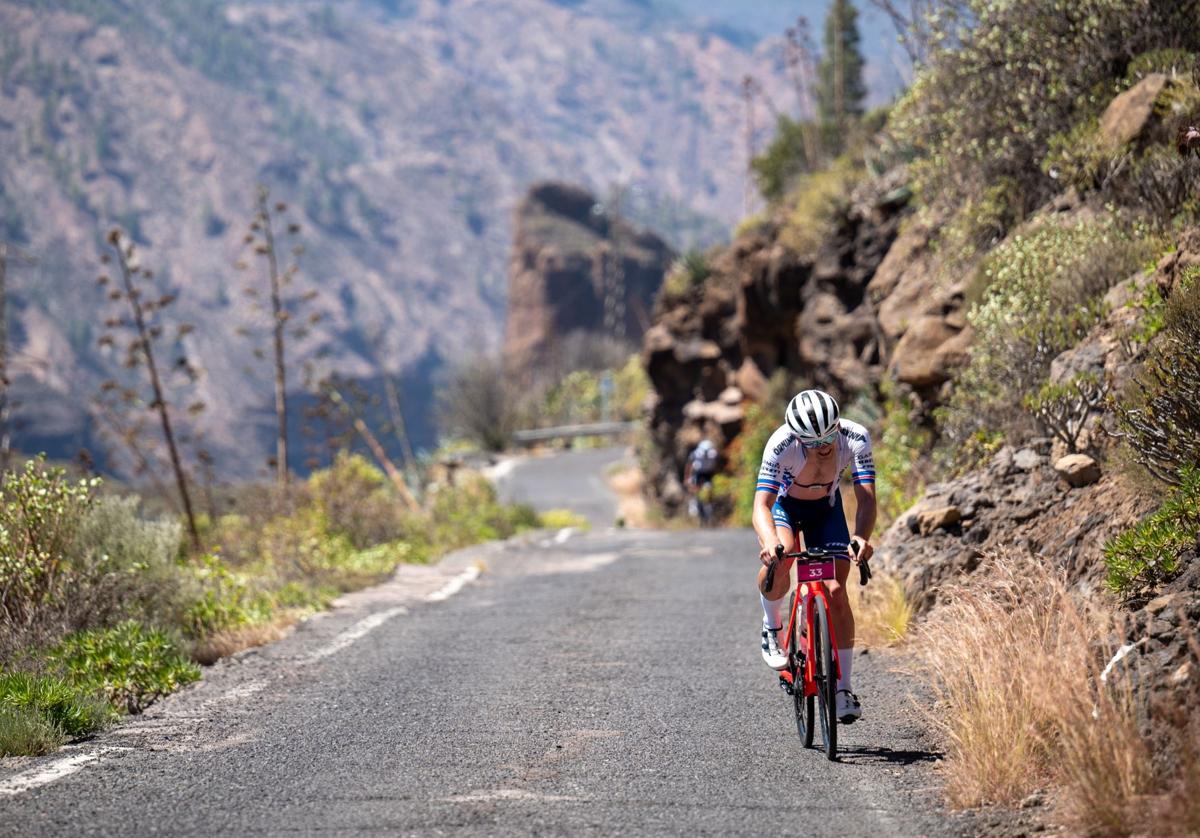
[{"x": 786, "y": 687}]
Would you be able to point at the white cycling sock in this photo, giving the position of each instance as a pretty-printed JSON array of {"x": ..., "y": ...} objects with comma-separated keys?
[
  {"x": 772, "y": 612},
  {"x": 845, "y": 658}
]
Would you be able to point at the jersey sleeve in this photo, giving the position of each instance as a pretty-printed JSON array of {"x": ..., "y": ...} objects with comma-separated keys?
[
  {"x": 770, "y": 474},
  {"x": 862, "y": 466}
]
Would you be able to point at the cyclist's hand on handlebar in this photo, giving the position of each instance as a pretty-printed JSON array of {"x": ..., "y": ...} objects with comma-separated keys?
[
  {"x": 767, "y": 554},
  {"x": 860, "y": 549}
]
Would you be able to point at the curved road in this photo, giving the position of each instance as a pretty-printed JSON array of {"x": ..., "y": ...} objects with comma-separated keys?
[{"x": 581, "y": 684}]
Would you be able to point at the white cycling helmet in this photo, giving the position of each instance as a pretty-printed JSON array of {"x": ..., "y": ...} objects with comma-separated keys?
[
  {"x": 812, "y": 414},
  {"x": 704, "y": 445}
]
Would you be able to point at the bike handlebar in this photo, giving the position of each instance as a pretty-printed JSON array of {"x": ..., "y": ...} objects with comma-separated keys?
[{"x": 815, "y": 554}]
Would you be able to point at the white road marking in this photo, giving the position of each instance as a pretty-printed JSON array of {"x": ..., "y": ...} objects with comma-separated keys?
[
  {"x": 579, "y": 564},
  {"x": 56, "y": 770},
  {"x": 493, "y": 795},
  {"x": 359, "y": 629},
  {"x": 454, "y": 585},
  {"x": 238, "y": 693},
  {"x": 501, "y": 470}
]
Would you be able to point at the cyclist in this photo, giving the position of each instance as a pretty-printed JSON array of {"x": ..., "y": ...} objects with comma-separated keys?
[
  {"x": 698, "y": 473},
  {"x": 798, "y": 493}
]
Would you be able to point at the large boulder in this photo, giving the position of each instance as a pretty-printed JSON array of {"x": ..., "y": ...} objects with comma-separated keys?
[
  {"x": 1129, "y": 115},
  {"x": 1078, "y": 469},
  {"x": 931, "y": 349}
]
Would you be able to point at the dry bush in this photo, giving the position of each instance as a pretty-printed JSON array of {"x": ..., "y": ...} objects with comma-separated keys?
[
  {"x": 208, "y": 650},
  {"x": 1015, "y": 659},
  {"x": 882, "y": 611}
]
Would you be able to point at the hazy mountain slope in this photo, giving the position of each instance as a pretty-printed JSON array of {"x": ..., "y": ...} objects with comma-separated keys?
[{"x": 401, "y": 133}]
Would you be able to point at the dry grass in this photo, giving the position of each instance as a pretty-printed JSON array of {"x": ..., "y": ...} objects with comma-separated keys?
[
  {"x": 230, "y": 641},
  {"x": 881, "y": 610},
  {"x": 1015, "y": 659}
]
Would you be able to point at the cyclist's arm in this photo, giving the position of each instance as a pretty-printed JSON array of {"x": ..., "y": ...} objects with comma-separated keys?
[
  {"x": 772, "y": 481},
  {"x": 764, "y": 523},
  {"x": 864, "y": 516},
  {"x": 863, "y": 472}
]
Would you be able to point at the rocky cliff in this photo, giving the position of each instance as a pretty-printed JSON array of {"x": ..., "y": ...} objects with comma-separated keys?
[
  {"x": 859, "y": 306},
  {"x": 577, "y": 268},
  {"x": 401, "y": 134}
]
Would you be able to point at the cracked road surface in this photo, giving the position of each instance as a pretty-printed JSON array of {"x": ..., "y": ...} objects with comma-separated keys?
[{"x": 597, "y": 683}]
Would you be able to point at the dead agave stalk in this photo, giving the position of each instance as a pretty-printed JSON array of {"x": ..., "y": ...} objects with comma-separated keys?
[{"x": 144, "y": 345}]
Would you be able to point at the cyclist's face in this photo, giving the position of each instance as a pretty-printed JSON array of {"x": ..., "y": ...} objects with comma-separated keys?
[{"x": 821, "y": 451}]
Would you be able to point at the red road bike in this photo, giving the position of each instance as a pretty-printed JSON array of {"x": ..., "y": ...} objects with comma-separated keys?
[{"x": 813, "y": 668}]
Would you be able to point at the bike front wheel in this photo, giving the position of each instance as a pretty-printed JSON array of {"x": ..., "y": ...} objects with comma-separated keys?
[
  {"x": 804, "y": 703},
  {"x": 825, "y": 674}
]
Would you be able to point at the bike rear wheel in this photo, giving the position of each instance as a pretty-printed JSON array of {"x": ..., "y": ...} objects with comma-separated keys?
[{"x": 826, "y": 677}]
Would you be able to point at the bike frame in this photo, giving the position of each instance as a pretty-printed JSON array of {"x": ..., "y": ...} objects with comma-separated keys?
[{"x": 815, "y": 589}]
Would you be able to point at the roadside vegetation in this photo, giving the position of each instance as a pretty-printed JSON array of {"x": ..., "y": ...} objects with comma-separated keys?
[
  {"x": 1038, "y": 716},
  {"x": 103, "y": 611}
]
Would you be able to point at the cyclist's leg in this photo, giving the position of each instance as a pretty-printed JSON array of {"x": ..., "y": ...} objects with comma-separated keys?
[{"x": 774, "y": 602}]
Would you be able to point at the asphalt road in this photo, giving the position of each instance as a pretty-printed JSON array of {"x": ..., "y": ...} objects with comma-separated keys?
[
  {"x": 570, "y": 480},
  {"x": 582, "y": 684}
]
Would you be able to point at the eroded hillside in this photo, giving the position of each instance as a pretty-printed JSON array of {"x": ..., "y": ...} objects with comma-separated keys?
[{"x": 401, "y": 136}]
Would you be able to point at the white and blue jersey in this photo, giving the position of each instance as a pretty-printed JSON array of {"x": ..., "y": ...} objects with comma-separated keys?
[
  {"x": 784, "y": 457},
  {"x": 821, "y": 521}
]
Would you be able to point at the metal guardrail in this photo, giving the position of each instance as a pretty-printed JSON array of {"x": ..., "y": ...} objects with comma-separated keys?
[{"x": 572, "y": 431}]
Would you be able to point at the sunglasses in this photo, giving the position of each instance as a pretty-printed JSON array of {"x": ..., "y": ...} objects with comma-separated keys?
[{"x": 817, "y": 443}]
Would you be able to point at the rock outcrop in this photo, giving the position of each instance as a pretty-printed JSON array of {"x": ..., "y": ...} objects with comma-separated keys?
[
  {"x": 576, "y": 270},
  {"x": 865, "y": 304},
  {"x": 1017, "y": 501}
]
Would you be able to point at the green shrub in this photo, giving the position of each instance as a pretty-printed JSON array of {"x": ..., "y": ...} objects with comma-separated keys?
[
  {"x": 26, "y": 732},
  {"x": 898, "y": 450},
  {"x": 987, "y": 103},
  {"x": 129, "y": 664},
  {"x": 1159, "y": 416},
  {"x": 71, "y": 708},
  {"x": 1151, "y": 308},
  {"x": 468, "y": 513},
  {"x": 788, "y": 156},
  {"x": 689, "y": 271},
  {"x": 1063, "y": 410},
  {"x": 1149, "y": 554},
  {"x": 1038, "y": 294},
  {"x": 815, "y": 203},
  {"x": 40, "y": 511},
  {"x": 980, "y": 224},
  {"x": 122, "y": 567},
  {"x": 225, "y": 600},
  {"x": 356, "y": 500},
  {"x": 1170, "y": 61}
]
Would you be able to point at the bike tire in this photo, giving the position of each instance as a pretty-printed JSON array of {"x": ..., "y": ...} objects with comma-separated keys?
[
  {"x": 804, "y": 704},
  {"x": 826, "y": 678}
]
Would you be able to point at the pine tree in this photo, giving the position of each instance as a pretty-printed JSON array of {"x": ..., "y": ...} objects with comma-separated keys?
[{"x": 840, "y": 87}]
